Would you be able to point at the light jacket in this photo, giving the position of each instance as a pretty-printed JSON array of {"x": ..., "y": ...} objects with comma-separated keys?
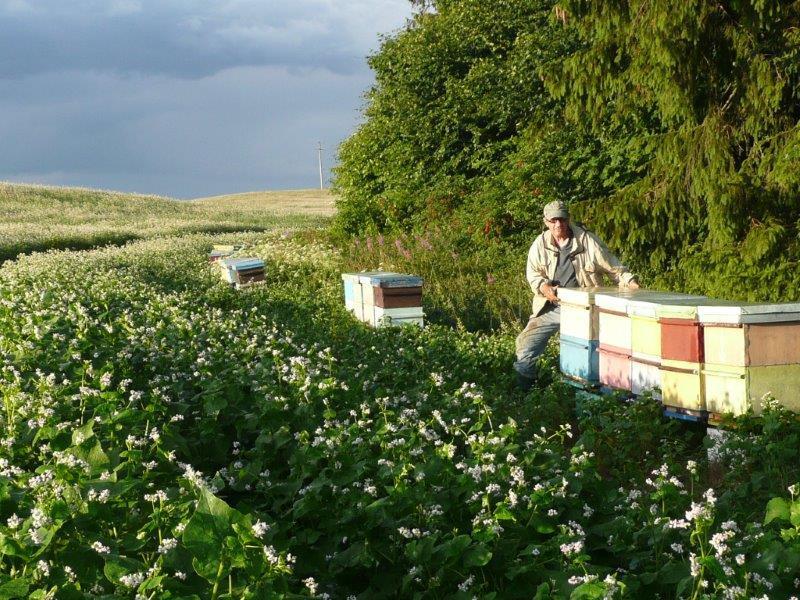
[{"x": 590, "y": 257}]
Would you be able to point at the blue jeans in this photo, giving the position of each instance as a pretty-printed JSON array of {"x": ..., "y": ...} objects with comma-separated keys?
[{"x": 532, "y": 342}]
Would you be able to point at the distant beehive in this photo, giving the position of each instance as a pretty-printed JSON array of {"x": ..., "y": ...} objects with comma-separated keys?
[
  {"x": 220, "y": 251},
  {"x": 241, "y": 272},
  {"x": 381, "y": 298}
]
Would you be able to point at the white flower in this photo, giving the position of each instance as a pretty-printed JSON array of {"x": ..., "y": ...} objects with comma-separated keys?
[
  {"x": 311, "y": 585},
  {"x": 260, "y": 529},
  {"x": 43, "y": 567},
  {"x": 100, "y": 548},
  {"x": 132, "y": 580},
  {"x": 166, "y": 545},
  {"x": 180, "y": 575},
  {"x": 14, "y": 521}
]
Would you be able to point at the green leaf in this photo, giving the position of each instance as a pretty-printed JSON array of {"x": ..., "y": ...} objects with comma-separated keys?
[
  {"x": 116, "y": 566},
  {"x": 777, "y": 508},
  {"x": 542, "y": 592},
  {"x": 207, "y": 533},
  {"x": 794, "y": 513},
  {"x": 503, "y": 514},
  {"x": 477, "y": 556},
  {"x": 16, "y": 588},
  {"x": 587, "y": 591}
]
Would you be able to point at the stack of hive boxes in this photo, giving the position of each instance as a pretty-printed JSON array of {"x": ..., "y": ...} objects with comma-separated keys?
[
  {"x": 646, "y": 351},
  {"x": 615, "y": 337},
  {"x": 749, "y": 351},
  {"x": 630, "y": 338},
  {"x": 381, "y": 298},
  {"x": 242, "y": 271},
  {"x": 706, "y": 356},
  {"x": 681, "y": 356},
  {"x": 579, "y": 334}
]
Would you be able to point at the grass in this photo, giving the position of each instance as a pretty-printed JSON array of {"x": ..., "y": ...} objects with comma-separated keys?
[{"x": 36, "y": 218}]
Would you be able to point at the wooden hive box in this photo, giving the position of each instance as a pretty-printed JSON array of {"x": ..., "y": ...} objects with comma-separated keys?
[
  {"x": 682, "y": 384},
  {"x": 579, "y": 359},
  {"x": 745, "y": 335},
  {"x": 750, "y": 350},
  {"x": 737, "y": 389},
  {"x": 579, "y": 318},
  {"x": 646, "y": 339},
  {"x": 241, "y": 270},
  {"x": 391, "y": 299}
]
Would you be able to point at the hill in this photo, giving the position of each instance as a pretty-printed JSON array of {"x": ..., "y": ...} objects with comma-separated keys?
[{"x": 36, "y": 217}]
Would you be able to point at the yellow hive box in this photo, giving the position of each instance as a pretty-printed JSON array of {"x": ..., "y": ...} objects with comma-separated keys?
[
  {"x": 645, "y": 328},
  {"x": 736, "y": 389},
  {"x": 682, "y": 385}
]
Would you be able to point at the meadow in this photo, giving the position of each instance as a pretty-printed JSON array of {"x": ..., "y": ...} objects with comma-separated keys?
[
  {"x": 166, "y": 436},
  {"x": 40, "y": 218}
]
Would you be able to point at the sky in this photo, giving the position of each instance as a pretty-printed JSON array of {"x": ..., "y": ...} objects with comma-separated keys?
[{"x": 183, "y": 98}]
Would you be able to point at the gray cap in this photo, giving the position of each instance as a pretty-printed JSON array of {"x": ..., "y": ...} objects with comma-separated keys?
[{"x": 556, "y": 210}]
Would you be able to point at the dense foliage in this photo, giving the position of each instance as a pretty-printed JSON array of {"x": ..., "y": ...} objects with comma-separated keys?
[
  {"x": 719, "y": 204},
  {"x": 672, "y": 126},
  {"x": 165, "y": 436},
  {"x": 459, "y": 121}
]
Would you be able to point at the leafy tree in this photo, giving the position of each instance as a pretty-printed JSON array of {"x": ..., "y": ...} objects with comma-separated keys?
[{"x": 457, "y": 112}]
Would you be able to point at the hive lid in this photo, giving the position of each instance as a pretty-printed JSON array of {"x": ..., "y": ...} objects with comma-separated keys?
[
  {"x": 237, "y": 264},
  {"x": 748, "y": 312},
  {"x": 650, "y": 307},
  {"x": 583, "y": 296},
  {"x": 386, "y": 279},
  {"x": 619, "y": 298},
  {"x": 679, "y": 310}
]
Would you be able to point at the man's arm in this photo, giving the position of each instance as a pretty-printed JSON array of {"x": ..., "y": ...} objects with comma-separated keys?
[{"x": 536, "y": 272}]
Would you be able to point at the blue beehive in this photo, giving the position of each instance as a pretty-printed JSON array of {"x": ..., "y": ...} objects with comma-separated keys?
[{"x": 580, "y": 359}]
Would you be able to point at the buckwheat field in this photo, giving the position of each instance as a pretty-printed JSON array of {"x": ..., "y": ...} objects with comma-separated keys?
[{"x": 167, "y": 436}]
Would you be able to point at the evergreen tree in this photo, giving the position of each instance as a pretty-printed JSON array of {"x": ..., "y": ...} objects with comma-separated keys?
[{"x": 717, "y": 208}]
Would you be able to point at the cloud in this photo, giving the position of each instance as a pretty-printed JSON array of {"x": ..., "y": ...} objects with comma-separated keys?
[
  {"x": 185, "y": 98},
  {"x": 241, "y": 129},
  {"x": 190, "y": 38}
]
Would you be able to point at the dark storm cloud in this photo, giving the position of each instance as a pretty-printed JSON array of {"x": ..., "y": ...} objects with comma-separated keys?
[
  {"x": 187, "y": 38},
  {"x": 185, "y": 98}
]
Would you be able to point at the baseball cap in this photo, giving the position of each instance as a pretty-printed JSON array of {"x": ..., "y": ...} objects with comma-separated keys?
[{"x": 556, "y": 210}]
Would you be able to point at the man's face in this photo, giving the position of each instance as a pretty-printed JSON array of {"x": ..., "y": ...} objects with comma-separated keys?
[{"x": 558, "y": 227}]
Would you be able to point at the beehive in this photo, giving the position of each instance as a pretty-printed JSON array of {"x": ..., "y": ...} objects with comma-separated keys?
[
  {"x": 242, "y": 271},
  {"x": 750, "y": 350},
  {"x": 383, "y": 298}
]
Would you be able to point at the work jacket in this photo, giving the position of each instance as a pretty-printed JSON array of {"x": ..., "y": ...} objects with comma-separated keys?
[{"x": 590, "y": 257}]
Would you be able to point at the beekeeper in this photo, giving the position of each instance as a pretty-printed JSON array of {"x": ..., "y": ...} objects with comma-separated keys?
[{"x": 565, "y": 255}]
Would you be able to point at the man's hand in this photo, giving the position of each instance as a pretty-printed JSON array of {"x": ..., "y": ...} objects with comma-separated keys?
[{"x": 549, "y": 292}]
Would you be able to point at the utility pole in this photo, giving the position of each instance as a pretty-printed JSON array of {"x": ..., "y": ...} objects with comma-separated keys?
[{"x": 319, "y": 156}]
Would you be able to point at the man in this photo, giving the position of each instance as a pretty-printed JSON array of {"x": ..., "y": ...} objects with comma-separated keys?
[{"x": 563, "y": 256}]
